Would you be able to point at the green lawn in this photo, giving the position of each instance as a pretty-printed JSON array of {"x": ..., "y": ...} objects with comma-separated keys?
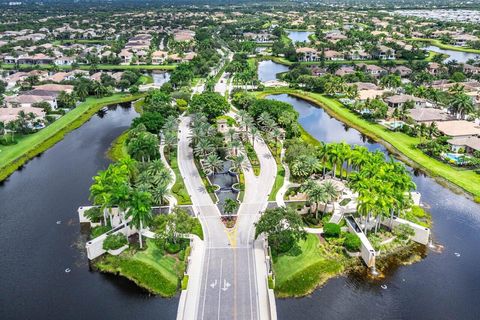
[
  {"x": 299, "y": 273},
  {"x": 179, "y": 190},
  {"x": 149, "y": 269},
  {"x": 12, "y": 157},
  {"x": 438, "y": 43},
  {"x": 118, "y": 149},
  {"x": 144, "y": 79},
  {"x": 252, "y": 157},
  {"x": 395, "y": 141}
]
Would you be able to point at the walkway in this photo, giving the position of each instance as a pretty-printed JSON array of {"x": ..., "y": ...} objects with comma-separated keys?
[{"x": 233, "y": 282}]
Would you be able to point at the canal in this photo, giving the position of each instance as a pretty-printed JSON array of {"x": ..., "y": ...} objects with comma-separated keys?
[
  {"x": 40, "y": 235},
  {"x": 268, "y": 70},
  {"x": 441, "y": 286}
]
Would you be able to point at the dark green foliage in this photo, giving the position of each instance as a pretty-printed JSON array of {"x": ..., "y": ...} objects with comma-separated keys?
[
  {"x": 352, "y": 242},
  {"x": 331, "y": 230},
  {"x": 114, "y": 241}
]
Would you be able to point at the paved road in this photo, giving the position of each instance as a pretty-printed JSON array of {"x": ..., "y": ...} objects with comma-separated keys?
[{"x": 232, "y": 286}]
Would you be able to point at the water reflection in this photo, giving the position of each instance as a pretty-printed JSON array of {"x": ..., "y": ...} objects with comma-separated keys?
[
  {"x": 268, "y": 70},
  {"x": 36, "y": 250},
  {"x": 459, "y": 56},
  {"x": 299, "y": 36}
]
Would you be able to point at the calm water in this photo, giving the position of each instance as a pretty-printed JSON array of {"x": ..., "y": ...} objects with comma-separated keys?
[
  {"x": 459, "y": 56},
  {"x": 159, "y": 78},
  {"x": 441, "y": 286},
  {"x": 35, "y": 250},
  {"x": 268, "y": 70},
  {"x": 299, "y": 36}
]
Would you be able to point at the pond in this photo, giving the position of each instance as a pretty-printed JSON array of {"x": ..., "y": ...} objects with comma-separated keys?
[
  {"x": 159, "y": 78},
  {"x": 268, "y": 70},
  {"x": 40, "y": 235},
  {"x": 225, "y": 179},
  {"x": 459, "y": 56},
  {"x": 299, "y": 36},
  {"x": 441, "y": 286}
]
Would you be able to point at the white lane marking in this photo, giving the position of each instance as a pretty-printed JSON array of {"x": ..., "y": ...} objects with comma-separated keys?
[
  {"x": 213, "y": 284},
  {"x": 206, "y": 283},
  {"x": 226, "y": 285},
  {"x": 219, "y": 289}
]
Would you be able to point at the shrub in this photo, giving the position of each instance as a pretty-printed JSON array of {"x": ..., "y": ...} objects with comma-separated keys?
[
  {"x": 114, "y": 241},
  {"x": 403, "y": 231},
  {"x": 173, "y": 248},
  {"x": 331, "y": 230},
  {"x": 352, "y": 242},
  {"x": 94, "y": 214},
  {"x": 98, "y": 231}
]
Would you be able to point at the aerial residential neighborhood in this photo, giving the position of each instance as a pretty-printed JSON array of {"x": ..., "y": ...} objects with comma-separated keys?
[{"x": 250, "y": 160}]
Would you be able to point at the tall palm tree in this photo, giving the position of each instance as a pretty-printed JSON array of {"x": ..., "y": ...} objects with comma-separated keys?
[
  {"x": 331, "y": 192},
  {"x": 203, "y": 148},
  {"x": 140, "y": 211},
  {"x": 315, "y": 193},
  {"x": 212, "y": 163}
]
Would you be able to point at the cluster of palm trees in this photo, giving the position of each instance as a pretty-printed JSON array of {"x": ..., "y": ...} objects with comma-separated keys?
[
  {"x": 318, "y": 193},
  {"x": 132, "y": 187},
  {"x": 142, "y": 145},
  {"x": 383, "y": 186},
  {"x": 169, "y": 133}
]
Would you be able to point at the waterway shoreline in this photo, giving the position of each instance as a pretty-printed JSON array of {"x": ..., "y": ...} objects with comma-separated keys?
[
  {"x": 470, "y": 194},
  {"x": 57, "y": 134}
]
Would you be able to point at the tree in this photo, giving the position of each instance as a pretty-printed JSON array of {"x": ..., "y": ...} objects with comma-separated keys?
[
  {"x": 211, "y": 104},
  {"x": 212, "y": 163},
  {"x": 282, "y": 227},
  {"x": 316, "y": 194},
  {"x": 139, "y": 209},
  {"x": 143, "y": 145}
]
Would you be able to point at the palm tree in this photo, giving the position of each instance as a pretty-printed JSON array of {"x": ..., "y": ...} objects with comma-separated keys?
[
  {"x": 331, "y": 192},
  {"x": 212, "y": 163},
  {"x": 235, "y": 145},
  {"x": 253, "y": 133},
  {"x": 237, "y": 161},
  {"x": 322, "y": 154},
  {"x": 203, "y": 148},
  {"x": 462, "y": 104},
  {"x": 433, "y": 130},
  {"x": 316, "y": 194},
  {"x": 140, "y": 211}
]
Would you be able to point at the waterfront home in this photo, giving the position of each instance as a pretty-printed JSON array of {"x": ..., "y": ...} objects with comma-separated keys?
[
  {"x": 307, "y": 54},
  {"x": 462, "y": 40},
  {"x": 468, "y": 144},
  {"x": 383, "y": 53},
  {"x": 55, "y": 87},
  {"x": 459, "y": 128},
  {"x": 398, "y": 100},
  {"x": 428, "y": 115},
  {"x": 159, "y": 57},
  {"x": 64, "y": 61},
  {"x": 259, "y": 37},
  {"x": 358, "y": 55},
  {"x": 126, "y": 56},
  {"x": 470, "y": 70},
  {"x": 11, "y": 113}
]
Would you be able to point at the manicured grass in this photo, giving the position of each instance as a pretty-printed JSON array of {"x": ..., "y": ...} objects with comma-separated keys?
[
  {"x": 179, "y": 190},
  {"x": 396, "y": 142},
  {"x": 197, "y": 229},
  {"x": 438, "y": 43},
  {"x": 299, "y": 273},
  {"x": 118, "y": 148},
  {"x": 14, "y": 156},
  {"x": 144, "y": 79},
  {"x": 252, "y": 157},
  {"x": 278, "y": 182},
  {"x": 149, "y": 269}
]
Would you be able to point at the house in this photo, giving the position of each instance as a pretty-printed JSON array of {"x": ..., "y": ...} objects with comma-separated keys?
[
  {"x": 358, "y": 55},
  {"x": 462, "y": 40},
  {"x": 468, "y": 144},
  {"x": 471, "y": 70},
  {"x": 372, "y": 69},
  {"x": 459, "y": 128},
  {"x": 402, "y": 71},
  {"x": 55, "y": 87},
  {"x": 428, "y": 115},
  {"x": 435, "y": 68},
  {"x": 344, "y": 70},
  {"x": 38, "y": 58},
  {"x": 126, "y": 56},
  {"x": 159, "y": 57},
  {"x": 307, "y": 54},
  {"x": 397, "y": 101},
  {"x": 183, "y": 35},
  {"x": 333, "y": 55},
  {"x": 64, "y": 61},
  {"x": 383, "y": 53},
  {"x": 11, "y": 113}
]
